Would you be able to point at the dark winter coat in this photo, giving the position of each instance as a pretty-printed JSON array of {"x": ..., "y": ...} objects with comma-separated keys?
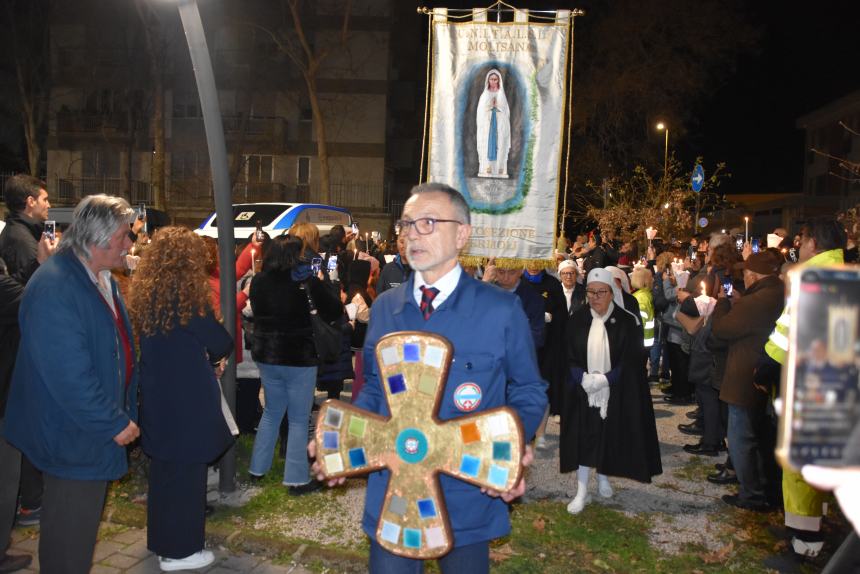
[
  {"x": 180, "y": 398},
  {"x": 746, "y": 325},
  {"x": 625, "y": 443},
  {"x": 19, "y": 243},
  {"x": 282, "y": 321},
  {"x": 10, "y": 299},
  {"x": 552, "y": 358},
  {"x": 392, "y": 275}
]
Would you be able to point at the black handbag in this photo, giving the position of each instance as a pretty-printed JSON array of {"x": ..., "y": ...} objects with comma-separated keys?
[{"x": 327, "y": 336}]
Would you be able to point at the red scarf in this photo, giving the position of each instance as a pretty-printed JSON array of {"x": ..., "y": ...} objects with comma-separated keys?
[{"x": 123, "y": 336}]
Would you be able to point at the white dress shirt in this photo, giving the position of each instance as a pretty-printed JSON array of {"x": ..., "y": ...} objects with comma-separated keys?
[{"x": 446, "y": 285}]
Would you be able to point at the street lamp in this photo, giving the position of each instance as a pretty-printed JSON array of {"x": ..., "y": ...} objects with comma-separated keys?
[
  {"x": 663, "y": 127},
  {"x": 205, "y": 78}
]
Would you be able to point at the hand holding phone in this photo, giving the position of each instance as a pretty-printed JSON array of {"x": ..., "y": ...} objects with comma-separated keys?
[
  {"x": 51, "y": 230},
  {"x": 819, "y": 388}
]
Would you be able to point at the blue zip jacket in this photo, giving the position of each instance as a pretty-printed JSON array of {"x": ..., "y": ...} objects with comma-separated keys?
[
  {"x": 68, "y": 397},
  {"x": 493, "y": 348}
]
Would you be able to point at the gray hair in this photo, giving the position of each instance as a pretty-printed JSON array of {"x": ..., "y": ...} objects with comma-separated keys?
[
  {"x": 456, "y": 198},
  {"x": 718, "y": 239},
  {"x": 96, "y": 219}
]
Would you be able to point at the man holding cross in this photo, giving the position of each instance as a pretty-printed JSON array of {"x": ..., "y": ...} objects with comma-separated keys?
[{"x": 494, "y": 365}]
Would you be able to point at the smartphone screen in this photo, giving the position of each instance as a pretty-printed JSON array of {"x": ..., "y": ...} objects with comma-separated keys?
[
  {"x": 754, "y": 244},
  {"x": 332, "y": 263},
  {"x": 259, "y": 236},
  {"x": 821, "y": 377},
  {"x": 51, "y": 229},
  {"x": 316, "y": 264},
  {"x": 739, "y": 242}
]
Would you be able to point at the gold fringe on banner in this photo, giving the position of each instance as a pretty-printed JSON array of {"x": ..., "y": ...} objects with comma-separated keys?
[{"x": 505, "y": 263}]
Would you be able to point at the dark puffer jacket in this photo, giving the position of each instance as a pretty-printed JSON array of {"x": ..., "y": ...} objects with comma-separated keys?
[{"x": 282, "y": 323}]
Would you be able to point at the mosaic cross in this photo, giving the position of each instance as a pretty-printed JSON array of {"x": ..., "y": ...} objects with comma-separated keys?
[{"x": 483, "y": 449}]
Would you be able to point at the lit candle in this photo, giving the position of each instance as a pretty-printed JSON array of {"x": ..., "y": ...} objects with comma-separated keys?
[
  {"x": 253, "y": 261},
  {"x": 746, "y": 228},
  {"x": 366, "y": 244},
  {"x": 703, "y": 288}
]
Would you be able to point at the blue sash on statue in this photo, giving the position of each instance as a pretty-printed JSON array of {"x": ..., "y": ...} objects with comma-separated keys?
[{"x": 493, "y": 140}]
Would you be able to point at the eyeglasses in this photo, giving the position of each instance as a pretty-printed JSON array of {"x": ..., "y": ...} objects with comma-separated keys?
[
  {"x": 422, "y": 225},
  {"x": 567, "y": 273},
  {"x": 598, "y": 293}
]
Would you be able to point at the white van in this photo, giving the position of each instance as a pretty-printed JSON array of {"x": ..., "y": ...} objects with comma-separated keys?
[{"x": 277, "y": 218}]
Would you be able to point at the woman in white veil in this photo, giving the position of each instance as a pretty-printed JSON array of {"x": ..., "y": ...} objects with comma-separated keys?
[{"x": 493, "y": 128}]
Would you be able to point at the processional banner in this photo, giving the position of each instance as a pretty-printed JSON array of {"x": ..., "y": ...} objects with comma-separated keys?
[{"x": 497, "y": 118}]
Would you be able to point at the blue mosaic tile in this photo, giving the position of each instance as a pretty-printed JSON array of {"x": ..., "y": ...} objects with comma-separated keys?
[
  {"x": 501, "y": 451},
  {"x": 470, "y": 465},
  {"x": 411, "y": 538},
  {"x": 426, "y": 508},
  {"x": 390, "y": 532},
  {"x": 498, "y": 475},
  {"x": 411, "y": 353},
  {"x": 357, "y": 457},
  {"x": 331, "y": 440},
  {"x": 397, "y": 384}
]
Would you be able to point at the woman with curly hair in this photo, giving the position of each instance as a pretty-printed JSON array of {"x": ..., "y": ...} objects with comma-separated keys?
[{"x": 182, "y": 425}]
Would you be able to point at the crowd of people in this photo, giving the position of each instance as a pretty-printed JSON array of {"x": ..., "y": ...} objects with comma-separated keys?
[{"x": 132, "y": 325}]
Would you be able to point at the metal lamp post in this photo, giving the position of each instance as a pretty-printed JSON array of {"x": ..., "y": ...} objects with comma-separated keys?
[{"x": 203, "y": 74}]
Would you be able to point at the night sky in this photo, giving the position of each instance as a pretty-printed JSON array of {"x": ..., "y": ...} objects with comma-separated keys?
[
  {"x": 808, "y": 57},
  {"x": 808, "y": 54}
]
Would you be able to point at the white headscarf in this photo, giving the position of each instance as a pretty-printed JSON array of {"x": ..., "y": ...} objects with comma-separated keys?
[
  {"x": 606, "y": 275},
  {"x": 621, "y": 276},
  {"x": 594, "y": 382}
]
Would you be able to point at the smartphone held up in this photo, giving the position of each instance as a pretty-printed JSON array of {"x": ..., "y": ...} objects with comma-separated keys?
[
  {"x": 821, "y": 377},
  {"x": 51, "y": 230}
]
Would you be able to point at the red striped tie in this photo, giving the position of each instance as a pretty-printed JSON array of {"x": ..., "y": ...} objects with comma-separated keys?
[{"x": 427, "y": 296}]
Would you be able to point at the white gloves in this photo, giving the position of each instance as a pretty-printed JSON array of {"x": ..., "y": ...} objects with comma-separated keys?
[
  {"x": 547, "y": 317},
  {"x": 596, "y": 386}
]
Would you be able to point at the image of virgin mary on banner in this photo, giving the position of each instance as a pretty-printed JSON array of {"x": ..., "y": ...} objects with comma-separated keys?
[{"x": 497, "y": 114}]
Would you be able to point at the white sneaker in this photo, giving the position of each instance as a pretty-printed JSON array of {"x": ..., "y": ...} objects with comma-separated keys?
[
  {"x": 577, "y": 504},
  {"x": 605, "y": 489},
  {"x": 196, "y": 560},
  {"x": 540, "y": 443}
]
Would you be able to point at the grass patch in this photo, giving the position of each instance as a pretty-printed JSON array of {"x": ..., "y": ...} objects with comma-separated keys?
[{"x": 695, "y": 469}]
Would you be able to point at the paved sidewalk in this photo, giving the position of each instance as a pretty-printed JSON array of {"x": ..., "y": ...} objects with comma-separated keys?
[{"x": 123, "y": 549}]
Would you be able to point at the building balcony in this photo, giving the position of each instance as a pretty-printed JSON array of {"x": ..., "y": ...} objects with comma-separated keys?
[
  {"x": 87, "y": 123},
  {"x": 70, "y": 190}
]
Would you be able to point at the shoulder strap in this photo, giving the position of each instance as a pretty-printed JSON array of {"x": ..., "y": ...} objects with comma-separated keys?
[{"x": 306, "y": 287}]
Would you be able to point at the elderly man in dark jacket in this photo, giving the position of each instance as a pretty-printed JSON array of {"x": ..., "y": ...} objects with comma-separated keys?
[{"x": 745, "y": 324}]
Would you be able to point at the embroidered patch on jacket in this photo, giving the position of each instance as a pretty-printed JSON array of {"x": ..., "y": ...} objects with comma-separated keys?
[{"x": 467, "y": 397}]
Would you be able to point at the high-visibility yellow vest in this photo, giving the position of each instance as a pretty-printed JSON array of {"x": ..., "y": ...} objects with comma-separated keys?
[
  {"x": 777, "y": 344},
  {"x": 646, "y": 310}
]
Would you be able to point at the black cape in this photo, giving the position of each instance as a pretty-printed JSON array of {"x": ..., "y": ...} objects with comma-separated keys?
[
  {"x": 552, "y": 357},
  {"x": 625, "y": 443}
]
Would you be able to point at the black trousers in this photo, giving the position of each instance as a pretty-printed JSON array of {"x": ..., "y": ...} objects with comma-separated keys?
[
  {"x": 10, "y": 470},
  {"x": 71, "y": 512},
  {"x": 176, "y": 508},
  {"x": 714, "y": 413},
  {"x": 31, "y": 485},
  {"x": 679, "y": 365}
]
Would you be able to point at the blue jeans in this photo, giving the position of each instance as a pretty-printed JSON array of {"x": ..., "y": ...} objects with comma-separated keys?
[
  {"x": 474, "y": 559},
  {"x": 290, "y": 390},
  {"x": 744, "y": 450}
]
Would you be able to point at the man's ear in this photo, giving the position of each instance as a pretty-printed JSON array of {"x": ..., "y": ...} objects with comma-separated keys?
[{"x": 464, "y": 232}]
